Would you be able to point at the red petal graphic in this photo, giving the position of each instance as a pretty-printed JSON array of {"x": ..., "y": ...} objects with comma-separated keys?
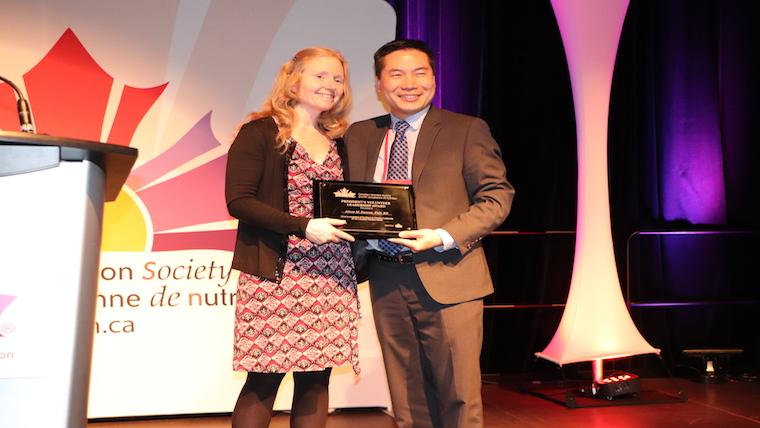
[
  {"x": 209, "y": 240},
  {"x": 69, "y": 91},
  {"x": 134, "y": 104},
  {"x": 69, "y": 94},
  {"x": 195, "y": 197},
  {"x": 198, "y": 140}
]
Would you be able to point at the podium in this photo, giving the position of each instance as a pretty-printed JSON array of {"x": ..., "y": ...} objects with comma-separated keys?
[{"x": 52, "y": 192}]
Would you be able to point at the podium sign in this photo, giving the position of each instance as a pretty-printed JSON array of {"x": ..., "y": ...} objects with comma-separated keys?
[{"x": 53, "y": 191}]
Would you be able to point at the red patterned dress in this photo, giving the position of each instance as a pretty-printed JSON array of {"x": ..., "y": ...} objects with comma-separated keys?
[{"x": 308, "y": 321}]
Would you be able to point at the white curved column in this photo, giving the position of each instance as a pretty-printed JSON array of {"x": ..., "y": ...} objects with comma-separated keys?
[{"x": 596, "y": 324}]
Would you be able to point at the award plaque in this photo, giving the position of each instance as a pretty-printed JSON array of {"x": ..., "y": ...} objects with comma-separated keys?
[{"x": 371, "y": 210}]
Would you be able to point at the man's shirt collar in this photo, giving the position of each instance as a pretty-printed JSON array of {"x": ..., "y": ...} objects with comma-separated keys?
[{"x": 414, "y": 121}]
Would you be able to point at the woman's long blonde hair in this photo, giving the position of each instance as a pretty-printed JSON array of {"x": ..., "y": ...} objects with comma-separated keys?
[{"x": 280, "y": 104}]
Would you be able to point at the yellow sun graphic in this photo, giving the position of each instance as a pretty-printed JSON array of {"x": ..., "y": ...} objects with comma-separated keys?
[{"x": 125, "y": 227}]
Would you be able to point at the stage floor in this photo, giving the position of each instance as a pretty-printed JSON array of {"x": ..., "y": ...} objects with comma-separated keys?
[{"x": 733, "y": 404}]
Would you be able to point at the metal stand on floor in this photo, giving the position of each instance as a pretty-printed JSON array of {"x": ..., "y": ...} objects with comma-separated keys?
[
  {"x": 568, "y": 393},
  {"x": 617, "y": 389}
]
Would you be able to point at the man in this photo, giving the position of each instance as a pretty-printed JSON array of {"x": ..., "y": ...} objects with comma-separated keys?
[{"x": 427, "y": 292}]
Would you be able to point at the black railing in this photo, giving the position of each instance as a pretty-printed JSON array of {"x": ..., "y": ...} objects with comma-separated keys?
[
  {"x": 628, "y": 271},
  {"x": 674, "y": 303},
  {"x": 527, "y": 305}
]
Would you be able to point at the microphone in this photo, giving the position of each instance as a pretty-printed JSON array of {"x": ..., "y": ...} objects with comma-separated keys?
[{"x": 24, "y": 114}]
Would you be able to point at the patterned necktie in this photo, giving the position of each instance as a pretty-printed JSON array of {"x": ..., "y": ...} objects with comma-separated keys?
[
  {"x": 397, "y": 170},
  {"x": 397, "y": 165}
]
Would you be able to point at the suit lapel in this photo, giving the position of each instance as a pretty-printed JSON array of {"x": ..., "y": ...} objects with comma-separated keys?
[
  {"x": 428, "y": 132},
  {"x": 374, "y": 143}
]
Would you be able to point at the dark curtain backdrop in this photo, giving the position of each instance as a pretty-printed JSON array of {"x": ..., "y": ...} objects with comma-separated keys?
[{"x": 683, "y": 154}]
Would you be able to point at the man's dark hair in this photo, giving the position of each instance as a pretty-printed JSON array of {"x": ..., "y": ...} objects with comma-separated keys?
[{"x": 400, "y": 44}]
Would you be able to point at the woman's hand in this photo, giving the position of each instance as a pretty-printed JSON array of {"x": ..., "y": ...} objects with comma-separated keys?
[{"x": 323, "y": 230}]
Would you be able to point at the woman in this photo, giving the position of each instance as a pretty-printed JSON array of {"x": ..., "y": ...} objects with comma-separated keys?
[{"x": 296, "y": 304}]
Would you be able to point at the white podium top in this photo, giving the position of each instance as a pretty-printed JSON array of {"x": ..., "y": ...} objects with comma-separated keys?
[{"x": 21, "y": 152}]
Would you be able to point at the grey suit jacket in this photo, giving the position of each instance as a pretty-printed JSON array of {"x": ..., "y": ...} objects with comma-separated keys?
[{"x": 460, "y": 185}]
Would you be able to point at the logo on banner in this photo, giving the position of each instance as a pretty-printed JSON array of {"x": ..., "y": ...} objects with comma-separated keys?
[
  {"x": 344, "y": 193},
  {"x": 69, "y": 93},
  {"x": 5, "y": 301}
]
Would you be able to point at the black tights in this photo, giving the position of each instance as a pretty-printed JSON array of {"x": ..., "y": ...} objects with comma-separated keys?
[{"x": 310, "y": 399}]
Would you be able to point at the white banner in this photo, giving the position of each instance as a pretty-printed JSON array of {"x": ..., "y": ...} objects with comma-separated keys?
[{"x": 174, "y": 79}]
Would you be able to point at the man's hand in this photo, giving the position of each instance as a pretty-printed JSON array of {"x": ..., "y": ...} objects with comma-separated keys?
[
  {"x": 418, "y": 240},
  {"x": 323, "y": 230}
]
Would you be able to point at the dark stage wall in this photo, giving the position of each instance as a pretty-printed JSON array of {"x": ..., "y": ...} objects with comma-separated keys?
[{"x": 682, "y": 157}]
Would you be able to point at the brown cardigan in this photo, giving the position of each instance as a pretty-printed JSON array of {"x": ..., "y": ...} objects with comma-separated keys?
[{"x": 256, "y": 193}]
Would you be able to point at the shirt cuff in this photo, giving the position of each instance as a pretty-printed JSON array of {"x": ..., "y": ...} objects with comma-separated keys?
[{"x": 448, "y": 241}]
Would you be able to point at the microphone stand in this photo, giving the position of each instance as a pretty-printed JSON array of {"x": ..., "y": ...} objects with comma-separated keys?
[{"x": 24, "y": 114}]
